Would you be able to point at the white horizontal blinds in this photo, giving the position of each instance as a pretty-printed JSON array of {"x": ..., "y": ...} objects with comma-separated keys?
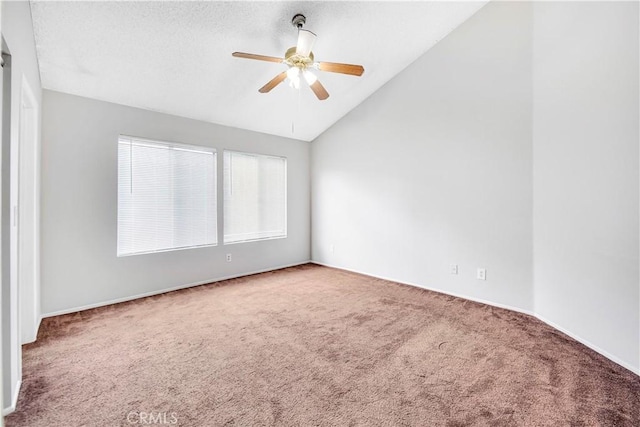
[
  {"x": 166, "y": 196},
  {"x": 255, "y": 197}
]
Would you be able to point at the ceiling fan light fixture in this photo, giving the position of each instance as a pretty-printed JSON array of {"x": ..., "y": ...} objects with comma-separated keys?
[
  {"x": 309, "y": 77},
  {"x": 293, "y": 74},
  {"x": 299, "y": 59},
  {"x": 306, "y": 39}
]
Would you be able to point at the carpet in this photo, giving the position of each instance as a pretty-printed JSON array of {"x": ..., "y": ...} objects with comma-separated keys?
[{"x": 315, "y": 346}]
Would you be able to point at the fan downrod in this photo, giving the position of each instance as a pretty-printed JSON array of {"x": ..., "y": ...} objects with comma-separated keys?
[{"x": 298, "y": 20}]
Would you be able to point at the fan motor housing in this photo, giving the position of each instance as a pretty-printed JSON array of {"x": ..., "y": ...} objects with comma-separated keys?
[{"x": 292, "y": 59}]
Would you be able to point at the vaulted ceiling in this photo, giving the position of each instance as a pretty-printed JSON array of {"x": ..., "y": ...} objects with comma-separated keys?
[{"x": 175, "y": 56}]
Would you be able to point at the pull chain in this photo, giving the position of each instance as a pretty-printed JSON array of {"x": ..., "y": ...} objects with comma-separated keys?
[{"x": 296, "y": 113}]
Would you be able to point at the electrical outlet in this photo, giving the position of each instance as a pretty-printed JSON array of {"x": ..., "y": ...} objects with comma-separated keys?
[
  {"x": 482, "y": 274},
  {"x": 453, "y": 269},
  {"x": 228, "y": 257},
  {"x": 332, "y": 248}
]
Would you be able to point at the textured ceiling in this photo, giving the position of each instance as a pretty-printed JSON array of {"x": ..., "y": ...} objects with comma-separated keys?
[{"x": 175, "y": 57}]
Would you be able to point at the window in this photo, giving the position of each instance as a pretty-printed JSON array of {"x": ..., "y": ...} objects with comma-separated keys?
[
  {"x": 255, "y": 197},
  {"x": 166, "y": 196}
]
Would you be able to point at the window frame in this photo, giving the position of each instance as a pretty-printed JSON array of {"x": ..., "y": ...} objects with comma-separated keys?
[
  {"x": 167, "y": 145},
  {"x": 286, "y": 195}
]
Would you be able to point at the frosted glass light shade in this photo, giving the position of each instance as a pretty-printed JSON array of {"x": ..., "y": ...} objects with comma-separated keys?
[{"x": 306, "y": 39}]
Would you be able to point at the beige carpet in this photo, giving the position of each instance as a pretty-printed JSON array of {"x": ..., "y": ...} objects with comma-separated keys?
[{"x": 314, "y": 346}]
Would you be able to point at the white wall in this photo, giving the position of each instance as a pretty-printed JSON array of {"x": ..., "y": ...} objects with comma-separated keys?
[
  {"x": 79, "y": 205},
  {"x": 18, "y": 34},
  {"x": 435, "y": 168},
  {"x": 438, "y": 167},
  {"x": 25, "y": 171},
  {"x": 586, "y": 134},
  {"x": 2, "y": 382}
]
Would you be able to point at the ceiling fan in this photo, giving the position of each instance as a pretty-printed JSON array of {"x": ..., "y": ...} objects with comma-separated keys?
[{"x": 300, "y": 61}]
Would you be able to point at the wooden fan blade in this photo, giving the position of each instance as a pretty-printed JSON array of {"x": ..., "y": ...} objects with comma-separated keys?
[
  {"x": 257, "y": 57},
  {"x": 319, "y": 90},
  {"x": 273, "y": 82},
  {"x": 334, "y": 67}
]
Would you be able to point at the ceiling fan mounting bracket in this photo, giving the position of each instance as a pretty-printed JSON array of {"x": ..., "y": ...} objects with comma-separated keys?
[{"x": 298, "y": 20}]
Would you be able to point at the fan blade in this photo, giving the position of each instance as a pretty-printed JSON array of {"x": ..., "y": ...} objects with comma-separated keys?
[
  {"x": 273, "y": 82},
  {"x": 258, "y": 57},
  {"x": 306, "y": 39},
  {"x": 334, "y": 67},
  {"x": 319, "y": 90}
]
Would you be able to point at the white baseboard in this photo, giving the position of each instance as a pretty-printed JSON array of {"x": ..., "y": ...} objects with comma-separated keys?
[
  {"x": 634, "y": 369},
  {"x": 162, "y": 291},
  {"x": 440, "y": 291},
  {"x": 14, "y": 400},
  {"x": 38, "y": 327},
  {"x": 33, "y": 337}
]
